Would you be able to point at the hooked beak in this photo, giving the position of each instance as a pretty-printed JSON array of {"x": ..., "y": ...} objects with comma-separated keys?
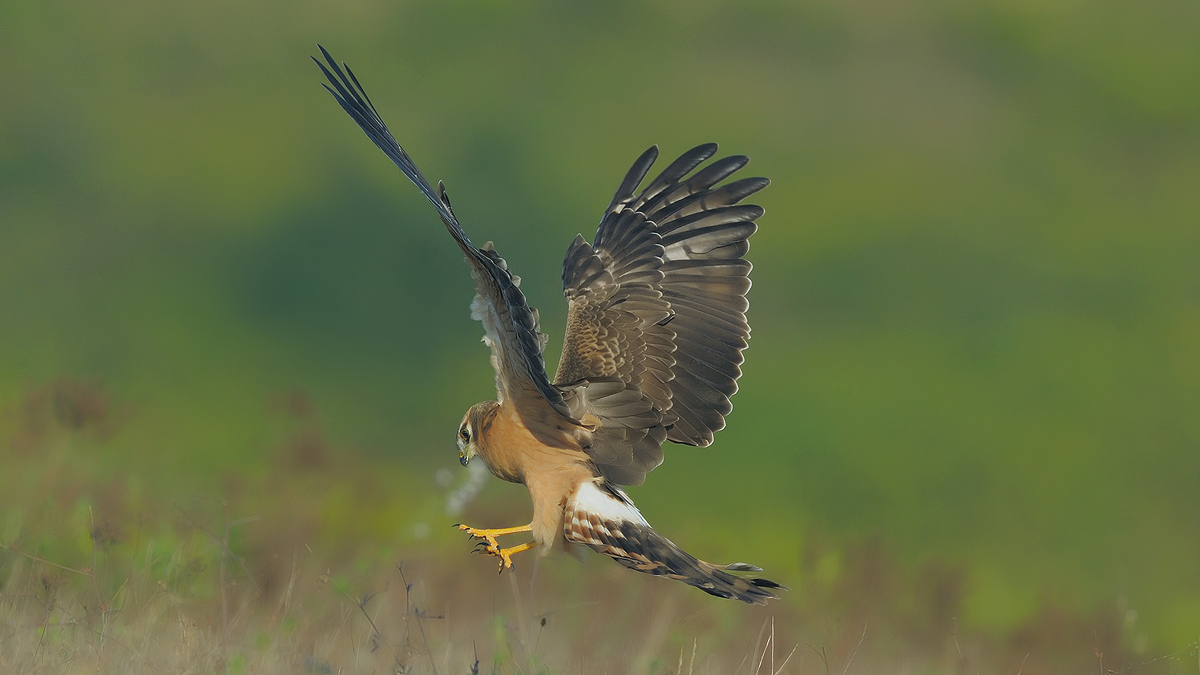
[{"x": 462, "y": 457}]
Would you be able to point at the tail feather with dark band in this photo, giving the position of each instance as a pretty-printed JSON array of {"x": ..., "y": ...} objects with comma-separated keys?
[
  {"x": 603, "y": 518},
  {"x": 648, "y": 551}
]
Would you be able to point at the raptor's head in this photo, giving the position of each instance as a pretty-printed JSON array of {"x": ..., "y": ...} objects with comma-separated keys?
[{"x": 474, "y": 424}]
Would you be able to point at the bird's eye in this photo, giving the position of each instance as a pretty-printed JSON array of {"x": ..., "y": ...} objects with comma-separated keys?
[{"x": 464, "y": 433}]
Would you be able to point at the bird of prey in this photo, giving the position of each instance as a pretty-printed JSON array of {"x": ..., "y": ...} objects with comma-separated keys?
[{"x": 655, "y": 330}]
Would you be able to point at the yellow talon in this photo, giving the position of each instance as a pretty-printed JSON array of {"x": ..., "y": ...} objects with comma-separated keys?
[
  {"x": 492, "y": 547},
  {"x": 506, "y": 554}
]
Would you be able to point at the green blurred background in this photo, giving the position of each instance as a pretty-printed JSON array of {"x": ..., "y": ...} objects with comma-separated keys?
[{"x": 976, "y": 307}]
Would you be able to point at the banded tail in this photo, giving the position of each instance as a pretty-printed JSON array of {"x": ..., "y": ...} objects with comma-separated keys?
[{"x": 603, "y": 518}]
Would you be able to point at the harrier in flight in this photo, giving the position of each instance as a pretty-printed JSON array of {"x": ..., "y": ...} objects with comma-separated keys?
[{"x": 656, "y": 326}]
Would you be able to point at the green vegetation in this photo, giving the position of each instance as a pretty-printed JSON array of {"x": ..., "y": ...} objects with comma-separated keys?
[
  {"x": 976, "y": 312},
  {"x": 110, "y": 574}
]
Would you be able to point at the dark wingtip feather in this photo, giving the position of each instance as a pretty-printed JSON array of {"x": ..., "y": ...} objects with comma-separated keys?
[
  {"x": 351, "y": 95},
  {"x": 353, "y": 98},
  {"x": 633, "y": 178}
]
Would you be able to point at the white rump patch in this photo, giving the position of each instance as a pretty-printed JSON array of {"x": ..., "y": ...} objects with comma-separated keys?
[{"x": 592, "y": 500}]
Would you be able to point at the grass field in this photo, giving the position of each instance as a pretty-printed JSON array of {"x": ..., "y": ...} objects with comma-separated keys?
[
  {"x": 449, "y": 613},
  {"x": 299, "y": 570},
  {"x": 444, "y": 613}
]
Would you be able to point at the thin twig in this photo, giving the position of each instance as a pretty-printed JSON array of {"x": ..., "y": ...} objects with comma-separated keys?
[
  {"x": 95, "y": 557},
  {"x": 14, "y": 549},
  {"x": 770, "y": 639},
  {"x": 821, "y": 653},
  {"x": 752, "y": 654},
  {"x": 376, "y": 635},
  {"x": 855, "y": 652},
  {"x": 223, "y": 543},
  {"x": 522, "y": 619},
  {"x": 415, "y": 612},
  {"x": 217, "y": 540},
  {"x": 785, "y": 661}
]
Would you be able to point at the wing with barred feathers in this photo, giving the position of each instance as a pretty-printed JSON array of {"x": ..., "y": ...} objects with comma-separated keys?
[
  {"x": 511, "y": 325},
  {"x": 656, "y": 318}
]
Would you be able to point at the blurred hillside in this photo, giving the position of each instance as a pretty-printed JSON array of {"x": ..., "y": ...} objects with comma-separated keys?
[{"x": 976, "y": 307}]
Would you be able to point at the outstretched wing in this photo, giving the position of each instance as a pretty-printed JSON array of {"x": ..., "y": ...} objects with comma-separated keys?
[
  {"x": 656, "y": 318},
  {"x": 511, "y": 325}
]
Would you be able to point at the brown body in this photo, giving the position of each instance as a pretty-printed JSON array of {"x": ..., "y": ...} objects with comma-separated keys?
[{"x": 505, "y": 443}]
